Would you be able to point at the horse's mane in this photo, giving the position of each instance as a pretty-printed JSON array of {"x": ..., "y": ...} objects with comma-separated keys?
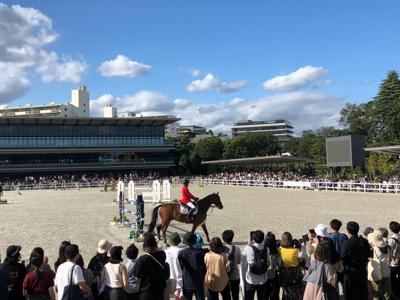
[{"x": 206, "y": 197}]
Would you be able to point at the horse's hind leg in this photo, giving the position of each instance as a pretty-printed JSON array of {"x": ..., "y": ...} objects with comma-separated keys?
[
  {"x": 158, "y": 231},
  {"x": 164, "y": 230},
  {"x": 205, "y": 231}
]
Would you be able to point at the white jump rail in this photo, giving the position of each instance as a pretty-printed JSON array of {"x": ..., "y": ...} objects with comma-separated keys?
[{"x": 393, "y": 188}]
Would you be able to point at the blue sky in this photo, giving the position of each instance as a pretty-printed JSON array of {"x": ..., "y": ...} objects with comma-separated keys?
[{"x": 326, "y": 53}]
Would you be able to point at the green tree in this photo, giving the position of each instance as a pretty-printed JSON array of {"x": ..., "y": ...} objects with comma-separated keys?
[
  {"x": 387, "y": 109},
  {"x": 209, "y": 148},
  {"x": 251, "y": 145},
  {"x": 357, "y": 119}
]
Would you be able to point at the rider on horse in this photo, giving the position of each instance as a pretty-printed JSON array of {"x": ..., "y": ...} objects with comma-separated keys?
[{"x": 187, "y": 198}]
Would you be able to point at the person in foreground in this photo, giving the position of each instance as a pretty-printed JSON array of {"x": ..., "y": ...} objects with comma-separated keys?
[
  {"x": 152, "y": 270},
  {"x": 115, "y": 276},
  {"x": 69, "y": 273},
  {"x": 217, "y": 265},
  {"x": 321, "y": 274},
  {"x": 355, "y": 253}
]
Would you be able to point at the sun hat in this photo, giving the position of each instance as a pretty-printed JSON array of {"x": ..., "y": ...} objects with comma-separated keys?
[
  {"x": 376, "y": 239},
  {"x": 174, "y": 239},
  {"x": 103, "y": 246},
  {"x": 13, "y": 251},
  {"x": 321, "y": 230}
]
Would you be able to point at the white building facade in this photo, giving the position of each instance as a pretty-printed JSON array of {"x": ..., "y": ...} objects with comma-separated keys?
[
  {"x": 281, "y": 129},
  {"x": 78, "y": 107}
]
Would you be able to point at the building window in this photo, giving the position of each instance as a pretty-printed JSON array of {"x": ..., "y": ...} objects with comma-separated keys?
[{"x": 65, "y": 108}]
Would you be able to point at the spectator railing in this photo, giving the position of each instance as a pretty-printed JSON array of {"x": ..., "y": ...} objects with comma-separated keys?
[
  {"x": 311, "y": 185},
  {"x": 66, "y": 185}
]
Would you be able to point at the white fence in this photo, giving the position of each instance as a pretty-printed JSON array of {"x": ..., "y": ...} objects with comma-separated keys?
[{"x": 317, "y": 186}]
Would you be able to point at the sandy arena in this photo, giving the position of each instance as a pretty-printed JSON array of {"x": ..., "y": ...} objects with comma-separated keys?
[{"x": 45, "y": 218}]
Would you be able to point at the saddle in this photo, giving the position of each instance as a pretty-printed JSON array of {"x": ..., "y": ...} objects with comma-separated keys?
[{"x": 184, "y": 209}]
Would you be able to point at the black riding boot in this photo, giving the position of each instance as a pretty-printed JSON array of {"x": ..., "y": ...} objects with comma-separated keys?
[{"x": 189, "y": 216}]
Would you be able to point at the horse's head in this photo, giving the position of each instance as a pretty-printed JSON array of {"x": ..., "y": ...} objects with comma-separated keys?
[{"x": 216, "y": 200}]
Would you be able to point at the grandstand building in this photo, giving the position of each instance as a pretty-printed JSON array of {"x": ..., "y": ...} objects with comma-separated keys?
[
  {"x": 48, "y": 144},
  {"x": 281, "y": 129}
]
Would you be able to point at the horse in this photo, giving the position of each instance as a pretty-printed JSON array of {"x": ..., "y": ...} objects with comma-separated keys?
[{"x": 171, "y": 211}]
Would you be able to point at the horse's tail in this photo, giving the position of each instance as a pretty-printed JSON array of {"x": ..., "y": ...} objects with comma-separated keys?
[{"x": 153, "y": 222}]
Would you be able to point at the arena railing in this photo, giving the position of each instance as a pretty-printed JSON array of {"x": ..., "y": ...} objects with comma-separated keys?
[
  {"x": 65, "y": 185},
  {"x": 312, "y": 185}
]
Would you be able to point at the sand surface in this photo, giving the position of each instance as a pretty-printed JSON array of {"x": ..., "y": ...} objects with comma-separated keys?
[{"x": 45, "y": 218}]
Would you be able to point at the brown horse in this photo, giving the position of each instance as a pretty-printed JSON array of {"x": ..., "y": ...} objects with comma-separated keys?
[{"x": 171, "y": 211}]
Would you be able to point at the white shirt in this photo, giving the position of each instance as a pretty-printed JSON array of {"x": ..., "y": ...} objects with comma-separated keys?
[
  {"x": 63, "y": 275},
  {"x": 248, "y": 259},
  {"x": 175, "y": 268}
]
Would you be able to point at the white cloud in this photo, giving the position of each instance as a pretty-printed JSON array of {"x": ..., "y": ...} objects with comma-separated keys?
[
  {"x": 122, "y": 66},
  {"x": 307, "y": 110},
  {"x": 368, "y": 81},
  {"x": 24, "y": 34},
  {"x": 212, "y": 83},
  {"x": 195, "y": 72},
  {"x": 52, "y": 68},
  {"x": 302, "y": 77}
]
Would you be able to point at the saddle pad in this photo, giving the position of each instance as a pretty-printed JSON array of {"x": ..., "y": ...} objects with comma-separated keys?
[{"x": 185, "y": 210}]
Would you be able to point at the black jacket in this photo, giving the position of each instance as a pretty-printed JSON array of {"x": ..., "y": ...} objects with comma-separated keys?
[{"x": 193, "y": 268}]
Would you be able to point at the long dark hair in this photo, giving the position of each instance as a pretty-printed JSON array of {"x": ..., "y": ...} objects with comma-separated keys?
[
  {"x": 61, "y": 254},
  {"x": 270, "y": 243},
  {"x": 37, "y": 251}
]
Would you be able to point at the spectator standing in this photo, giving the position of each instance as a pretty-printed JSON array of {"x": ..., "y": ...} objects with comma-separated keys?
[
  {"x": 355, "y": 253},
  {"x": 115, "y": 276},
  {"x": 38, "y": 284},
  {"x": 132, "y": 289},
  {"x": 61, "y": 255},
  {"x": 289, "y": 271},
  {"x": 272, "y": 273},
  {"x": 252, "y": 253},
  {"x": 44, "y": 267},
  {"x": 193, "y": 268},
  {"x": 16, "y": 270},
  {"x": 152, "y": 270},
  {"x": 337, "y": 237},
  {"x": 321, "y": 274},
  {"x": 394, "y": 244},
  {"x": 175, "y": 279},
  {"x": 96, "y": 264},
  {"x": 5, "y": 281},
  {"x": 378, "y": 266},
  {"x": 69, "y": 270},
  {"x": 88, "y": 276},
  {"x": 217, "y": 265},
  {"x": 234, "y": 257}
]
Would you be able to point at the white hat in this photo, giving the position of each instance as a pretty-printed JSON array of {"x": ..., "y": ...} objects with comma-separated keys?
[
  {"x": 103, "y": 246},
  {"x": 322, "y": 230},
  {"x": 376, "y": 239}
]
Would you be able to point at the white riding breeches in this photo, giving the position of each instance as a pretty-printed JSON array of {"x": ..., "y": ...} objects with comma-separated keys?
[{"x": 191, "y": 205}]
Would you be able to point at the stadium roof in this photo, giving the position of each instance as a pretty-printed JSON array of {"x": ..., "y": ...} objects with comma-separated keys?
[
  {"x": 134, "y": 121},
  {"x": 259, "y": 160},
  {"x": 392, "y": 150}
]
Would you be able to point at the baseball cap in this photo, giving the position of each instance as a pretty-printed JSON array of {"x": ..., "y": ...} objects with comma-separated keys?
[{"x": 13, "y": 251}]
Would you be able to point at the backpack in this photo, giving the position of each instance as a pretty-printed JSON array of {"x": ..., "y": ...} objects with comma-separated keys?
[
  {"x": 260, "y": 264},
  {"x": 231, "y": 259},
  {"x": 395, "y": 257}
]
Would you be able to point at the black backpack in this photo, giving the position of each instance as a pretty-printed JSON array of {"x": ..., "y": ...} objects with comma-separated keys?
[
  {"x": 231, "y": 259},
  {"x": 260, "y": 264}
]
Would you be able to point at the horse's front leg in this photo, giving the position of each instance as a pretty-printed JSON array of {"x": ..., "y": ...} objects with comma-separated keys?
[{"x": 205, "y": 231}]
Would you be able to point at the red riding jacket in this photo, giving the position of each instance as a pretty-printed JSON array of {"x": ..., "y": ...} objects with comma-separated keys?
[{"x": 186, "y": 196}]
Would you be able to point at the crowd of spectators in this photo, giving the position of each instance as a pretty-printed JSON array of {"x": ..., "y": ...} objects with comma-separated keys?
[
  {"x": 295, "y": 175},
  {"x": 317, "y": 266}
]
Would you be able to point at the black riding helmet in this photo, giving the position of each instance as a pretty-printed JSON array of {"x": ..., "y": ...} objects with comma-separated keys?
[{"x": 186, "y": 181}]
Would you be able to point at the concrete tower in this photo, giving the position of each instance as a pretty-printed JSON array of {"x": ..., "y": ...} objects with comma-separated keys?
[{"x": 80, "y": 101}]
